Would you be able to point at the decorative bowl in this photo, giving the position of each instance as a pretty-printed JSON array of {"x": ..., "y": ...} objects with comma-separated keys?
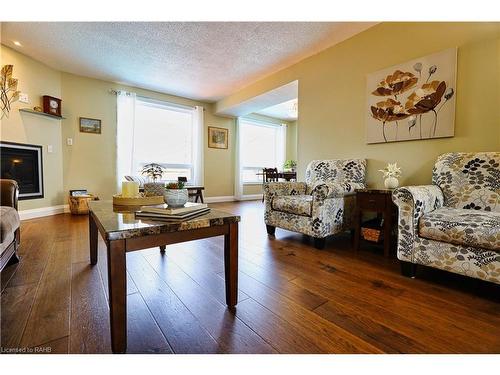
[{"x": 175, "y": 197}]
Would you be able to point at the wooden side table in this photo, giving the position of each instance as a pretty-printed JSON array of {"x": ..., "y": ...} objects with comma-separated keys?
[{"x": 379, "y": 201}]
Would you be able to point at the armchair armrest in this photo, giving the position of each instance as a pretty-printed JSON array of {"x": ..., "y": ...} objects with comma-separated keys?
[
  {"x": 413, "y": 202},
  {"x": 283, "y": 188},
  {"x": 9, "y": 193},
  {"x": 324, "y": 190}
]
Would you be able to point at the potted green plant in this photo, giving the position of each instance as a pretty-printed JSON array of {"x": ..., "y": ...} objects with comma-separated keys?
[
  {"x": 175, "y": 195},
  {"x": 154, "y": 172},
  {"x": 290, "y": 166}
]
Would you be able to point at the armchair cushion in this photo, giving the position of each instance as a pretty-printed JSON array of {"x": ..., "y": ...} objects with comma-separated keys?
[
  {"x": 469, "y": 180},
  {"x": 293, "y": 204},
  {"x": 462, "y": 227},
  {"x": 336, "y": 170}
]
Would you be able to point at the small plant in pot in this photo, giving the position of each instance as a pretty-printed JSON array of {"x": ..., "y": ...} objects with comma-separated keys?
[
  {"x": 154, "y": 172},
  {"x": 391, "y": 173},
  {"x": 175, "y": 195},
  {"x": 290, "y": 166}
]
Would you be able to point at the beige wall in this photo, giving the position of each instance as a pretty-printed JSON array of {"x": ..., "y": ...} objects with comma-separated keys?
[
  {"x": 332, "y": 95},
  {"x": 291, "y": 141},
  {"x": 91, "y": 161},
  {"x": 36, "y": 80}
]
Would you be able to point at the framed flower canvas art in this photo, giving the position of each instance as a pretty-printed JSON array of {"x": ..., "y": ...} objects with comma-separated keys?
[{"x": 414, "y": 100}]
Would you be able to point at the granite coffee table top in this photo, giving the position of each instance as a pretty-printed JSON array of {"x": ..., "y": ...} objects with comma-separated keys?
[{"x": 119, "y": 222}]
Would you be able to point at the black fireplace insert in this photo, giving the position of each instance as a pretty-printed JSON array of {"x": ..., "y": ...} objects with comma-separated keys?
[{"x": 23, "y": 163}]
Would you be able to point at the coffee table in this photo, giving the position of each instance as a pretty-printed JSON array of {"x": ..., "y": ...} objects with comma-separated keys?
[{"x": 122, "y": 233}]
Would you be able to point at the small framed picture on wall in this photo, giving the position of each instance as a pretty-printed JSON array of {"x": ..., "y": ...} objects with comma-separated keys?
[
  {"x": 217, "y": 137},
  {"x": 90, "y": 125}
]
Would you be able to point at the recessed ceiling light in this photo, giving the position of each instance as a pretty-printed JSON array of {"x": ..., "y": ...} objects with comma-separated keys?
[{"x": 17, "y": 43}]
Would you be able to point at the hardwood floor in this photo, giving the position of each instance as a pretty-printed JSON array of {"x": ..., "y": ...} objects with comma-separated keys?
[{"x": 292, "y": 297}]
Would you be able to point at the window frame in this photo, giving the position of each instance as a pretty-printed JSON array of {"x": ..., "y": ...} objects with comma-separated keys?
[
  {"x": 262, "y": 123},
  {"x": 258, "y": 179},
  {"x": 145, "y": 101}
]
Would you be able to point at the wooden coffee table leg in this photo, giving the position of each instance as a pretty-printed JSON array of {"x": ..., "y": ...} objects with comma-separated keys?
[
  {"x": 162, "y": 248},
  {"x": 93, "y": 239},
  {"x": 117, "y": 284},
  {"x": 231, "y": 264}
]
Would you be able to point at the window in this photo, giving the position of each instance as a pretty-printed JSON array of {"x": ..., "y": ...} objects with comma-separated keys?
[
  {"x": 262, "y": 145},
  {"x": 164, "y": 134}
]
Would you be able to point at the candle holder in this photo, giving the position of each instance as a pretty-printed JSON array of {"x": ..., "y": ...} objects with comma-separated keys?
[{"x": 130, "y": 189}]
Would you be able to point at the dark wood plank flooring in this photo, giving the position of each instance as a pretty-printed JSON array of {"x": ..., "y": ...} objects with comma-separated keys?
[{"x": 292, "y": 297}]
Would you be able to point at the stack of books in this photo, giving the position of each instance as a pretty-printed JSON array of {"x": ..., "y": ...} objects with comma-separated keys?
[{"x": 165, "y": 213}]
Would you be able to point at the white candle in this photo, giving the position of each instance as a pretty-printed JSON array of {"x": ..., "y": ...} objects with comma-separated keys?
[{"x": 130, "y": 189}]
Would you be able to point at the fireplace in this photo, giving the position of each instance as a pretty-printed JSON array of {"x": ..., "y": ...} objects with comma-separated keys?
[{"x": 23, "y": 163}]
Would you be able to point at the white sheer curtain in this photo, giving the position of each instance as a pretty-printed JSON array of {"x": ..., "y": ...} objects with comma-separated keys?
[
  {"x": 198, "y": 136},
  {"x": 238, "y": 181},
  {"x": 125, "y": 125},
  {"x": 281, "y": 146}
]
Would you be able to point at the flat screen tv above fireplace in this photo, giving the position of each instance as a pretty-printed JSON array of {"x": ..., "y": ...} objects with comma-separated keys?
[{"x": 23, "y": 163}]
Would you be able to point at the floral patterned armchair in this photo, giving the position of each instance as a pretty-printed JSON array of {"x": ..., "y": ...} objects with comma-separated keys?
[
  {"x": 453, "y": 224},
  {"x": 319, "y": 207}
]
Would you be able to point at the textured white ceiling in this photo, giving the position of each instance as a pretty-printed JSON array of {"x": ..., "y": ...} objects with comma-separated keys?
[
  {"x": 198, "y": 60},
  {"x": 283, "y": 111}
]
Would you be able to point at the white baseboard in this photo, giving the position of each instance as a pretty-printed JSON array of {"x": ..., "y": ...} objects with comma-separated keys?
[
  {"x": 43, "y": 211},
  {"x": 251, "y": 197},
  {"x": 232, "y": 198},
  {"x": 227, "y": 198}
]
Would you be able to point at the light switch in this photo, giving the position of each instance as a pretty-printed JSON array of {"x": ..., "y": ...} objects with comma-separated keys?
[
  {"x": 69, "y": 141},
  {"x": 24, "y": 98},
  {"x": 50, "y": 149}
]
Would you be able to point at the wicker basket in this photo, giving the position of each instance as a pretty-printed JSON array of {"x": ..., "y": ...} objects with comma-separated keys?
[
  {"x": 372, "y": 230},
  {"x": 372, "y": 234},
  {"x": 154, "y": 189},
  {"x": 79, "y": 205}
]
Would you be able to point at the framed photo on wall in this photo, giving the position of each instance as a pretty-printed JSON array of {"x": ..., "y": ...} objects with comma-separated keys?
[
  {"x": 90, "y": 125},
  {"x": 217, "y": 137}
]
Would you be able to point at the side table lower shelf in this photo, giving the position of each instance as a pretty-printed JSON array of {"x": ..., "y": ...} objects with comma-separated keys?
[{"x": 378, "y": 201}]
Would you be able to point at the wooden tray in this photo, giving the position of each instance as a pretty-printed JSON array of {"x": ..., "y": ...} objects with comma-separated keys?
[{"x": 137, "y": 201}]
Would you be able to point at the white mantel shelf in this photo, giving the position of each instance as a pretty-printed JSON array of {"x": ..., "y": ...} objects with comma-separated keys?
[{"x": 27, "y": 110}]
